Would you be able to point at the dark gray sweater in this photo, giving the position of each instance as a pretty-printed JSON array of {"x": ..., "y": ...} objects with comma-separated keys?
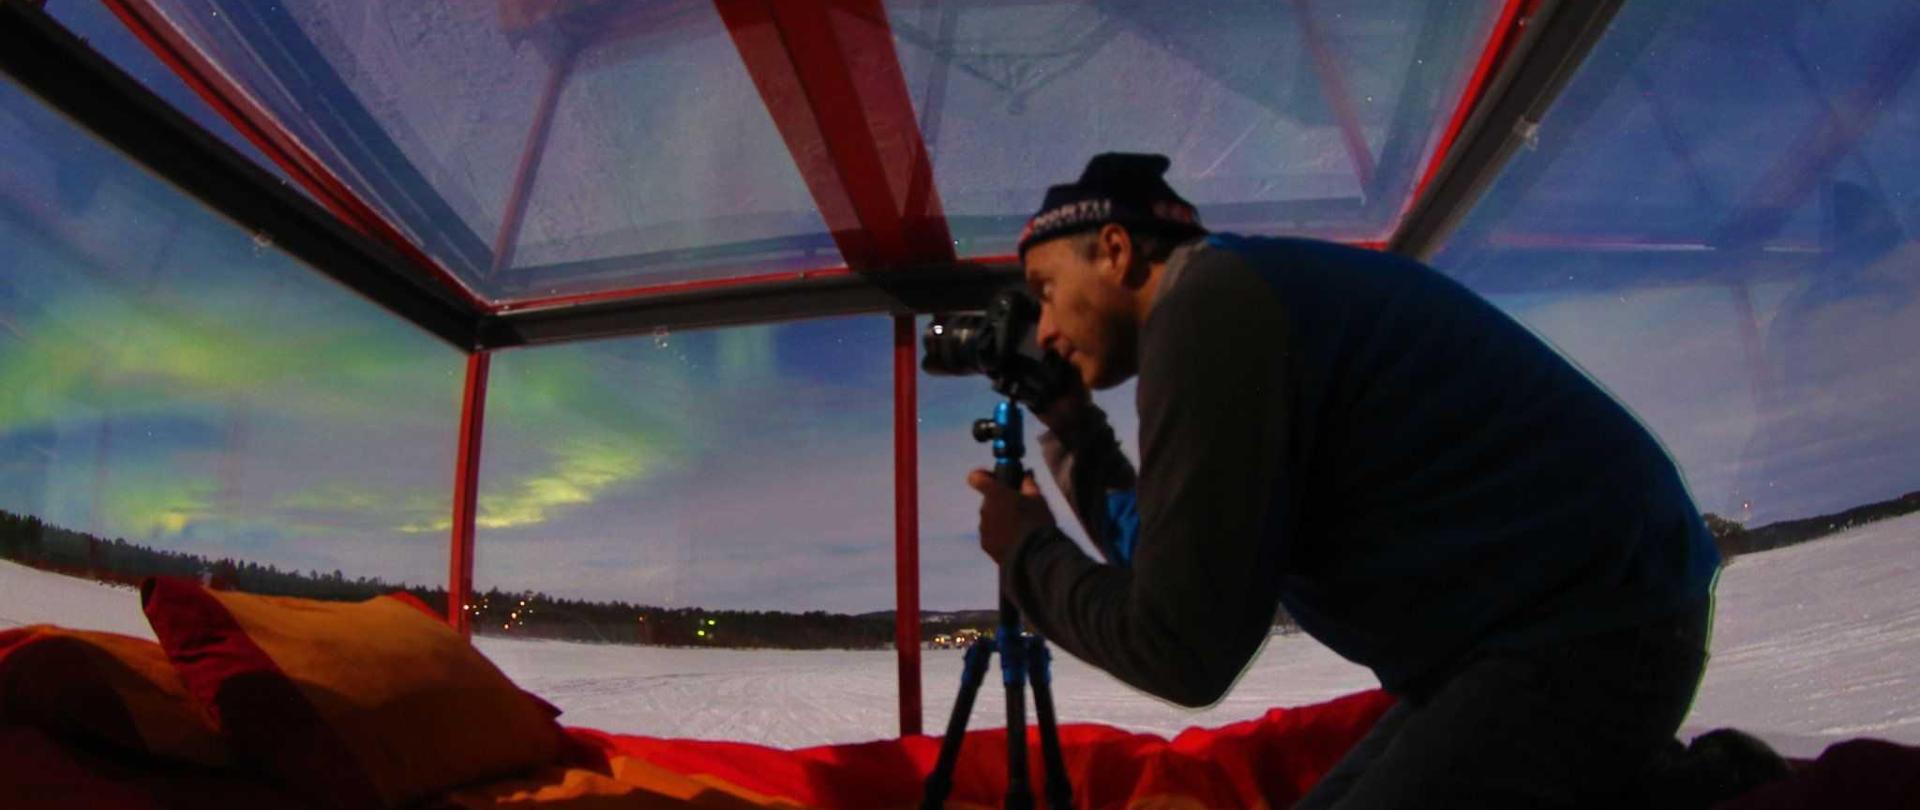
[{"x": 1410, "y": 472}]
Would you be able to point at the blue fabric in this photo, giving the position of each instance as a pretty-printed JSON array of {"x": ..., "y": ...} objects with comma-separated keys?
[{"x": 1122, "y": 527}]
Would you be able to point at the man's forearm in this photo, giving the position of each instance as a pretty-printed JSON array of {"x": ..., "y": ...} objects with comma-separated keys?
[
  {"x": 1086, "y": 461},
  {"x": 1099, "y": 614}
]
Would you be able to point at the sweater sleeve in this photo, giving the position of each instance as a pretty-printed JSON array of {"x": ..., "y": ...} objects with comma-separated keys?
[
  {"x": 1097, "y": 479},
  {"x": 1201, "y": 596}
]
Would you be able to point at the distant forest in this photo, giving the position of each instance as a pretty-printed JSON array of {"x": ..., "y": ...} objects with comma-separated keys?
[
  {"x": 1735, "y": 539},
  {"x": 29, "y": 541}
]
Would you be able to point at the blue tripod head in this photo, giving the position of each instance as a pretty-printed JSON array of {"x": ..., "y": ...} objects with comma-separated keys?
[{"x": 1009, "y": 445}]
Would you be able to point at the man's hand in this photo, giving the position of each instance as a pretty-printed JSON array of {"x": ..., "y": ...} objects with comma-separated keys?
[
  {"x": 1068, "y": 407},
  {"x": 1006, "y": 516}
]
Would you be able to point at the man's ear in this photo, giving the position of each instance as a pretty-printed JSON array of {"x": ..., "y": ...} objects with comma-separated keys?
[{"x": 1113, "y": 254}]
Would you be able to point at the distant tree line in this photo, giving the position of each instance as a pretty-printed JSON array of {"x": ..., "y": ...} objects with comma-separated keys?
[
  {"x": 30, "y": 541},
  {"x": 1735, "y": 539},
  {"x": 27, "y": 540}
]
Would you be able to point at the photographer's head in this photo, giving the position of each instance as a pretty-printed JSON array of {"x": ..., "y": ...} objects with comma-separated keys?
[{"x": 1093, "y": 256}]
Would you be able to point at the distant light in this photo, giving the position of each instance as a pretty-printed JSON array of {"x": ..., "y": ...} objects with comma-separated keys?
[
  {"x": 701, "y": 633},
  {"x": 711, "y": 622}
]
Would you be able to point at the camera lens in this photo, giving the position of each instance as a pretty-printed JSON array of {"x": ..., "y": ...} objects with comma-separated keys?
[{"x": 953, "y": 347}]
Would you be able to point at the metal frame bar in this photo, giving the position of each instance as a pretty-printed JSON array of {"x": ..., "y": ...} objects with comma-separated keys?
[
  {"x": 258, "y": 126},
  {"x": 822, "y": 294},
  {"x": 1506, "y": 29},
  {"x": 1601, "y": 75},
  {"x": 466, "y": 493},
  {"x": 507, "y": 239},
  {"x": 906, "y": 522},
  {"x": 1506, "y": 111},
  {"x": 577, "y": 274},
  {"x": 47, "y": 60}
]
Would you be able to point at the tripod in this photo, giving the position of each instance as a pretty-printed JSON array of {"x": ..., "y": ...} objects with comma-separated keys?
[{"x": 1022, "y": 658}]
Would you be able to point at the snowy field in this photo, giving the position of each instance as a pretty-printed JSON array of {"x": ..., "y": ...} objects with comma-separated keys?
[{"x": 1813, "y": 643}]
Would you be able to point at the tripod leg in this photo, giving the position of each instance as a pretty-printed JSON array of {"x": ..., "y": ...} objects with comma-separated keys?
[
  {"x": 1013, "y": 670},
  {"x": 973, "y": 671},
  {"x": 1040, "y": 672}
]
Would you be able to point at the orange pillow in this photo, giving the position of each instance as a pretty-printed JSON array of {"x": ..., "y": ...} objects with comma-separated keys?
[
  {"x": 91, "y": 687},
  {"x": 357, "y": 703}
]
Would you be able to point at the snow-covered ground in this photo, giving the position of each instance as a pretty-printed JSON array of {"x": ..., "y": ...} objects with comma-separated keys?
[{"x": 1813, "y": 643}]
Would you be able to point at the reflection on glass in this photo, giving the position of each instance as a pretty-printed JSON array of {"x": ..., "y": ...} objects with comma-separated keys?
[
  {"x": 176, "y": 386},
  {"x": 1310, "y": 118},
  {"x": 1750, "y": 295},
  {"x": 1718, "y": 223}
]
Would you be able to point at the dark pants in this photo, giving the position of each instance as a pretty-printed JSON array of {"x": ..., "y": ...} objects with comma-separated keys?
[{"x": 1577, "y": 724}]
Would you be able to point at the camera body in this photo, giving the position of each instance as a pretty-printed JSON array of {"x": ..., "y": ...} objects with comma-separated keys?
[{"x": 999, "y": 343}]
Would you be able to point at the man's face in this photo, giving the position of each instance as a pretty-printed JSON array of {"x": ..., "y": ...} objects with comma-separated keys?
[{"x": 1086, "y": 310}]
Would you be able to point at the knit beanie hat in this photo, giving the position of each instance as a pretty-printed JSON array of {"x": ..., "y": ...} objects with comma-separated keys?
[{"x": 1117, "y": 187}]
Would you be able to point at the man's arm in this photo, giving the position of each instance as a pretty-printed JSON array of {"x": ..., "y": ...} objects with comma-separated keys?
[
  {"x": 1204, "y": 588},
  {"x": 1096, "y": 477}
]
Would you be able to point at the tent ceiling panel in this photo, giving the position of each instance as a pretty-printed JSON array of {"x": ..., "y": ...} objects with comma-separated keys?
[
  {"x": 532, "y": 148},
  {"x": 1707, "y": 126},
  {"x": 1305, "y": 117},
  {"x": 542, "y": 149}
]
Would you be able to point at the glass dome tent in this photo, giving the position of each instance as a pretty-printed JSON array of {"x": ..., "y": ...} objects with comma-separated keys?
[{"x": 536, "y": 172}]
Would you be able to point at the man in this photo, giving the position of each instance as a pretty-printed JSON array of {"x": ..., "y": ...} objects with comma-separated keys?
[{"x": 1424, "y": 485}]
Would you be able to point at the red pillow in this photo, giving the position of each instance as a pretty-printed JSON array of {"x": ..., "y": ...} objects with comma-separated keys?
[
  {"x": 103, "y": 688},
  {"x": 358, "y": 704}
]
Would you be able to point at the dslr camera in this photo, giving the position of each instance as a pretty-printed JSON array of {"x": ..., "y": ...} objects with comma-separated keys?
[{"x": 1001, "y": 344}]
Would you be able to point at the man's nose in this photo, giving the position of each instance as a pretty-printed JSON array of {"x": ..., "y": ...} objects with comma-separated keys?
[{"x": 1045, "y": 332}]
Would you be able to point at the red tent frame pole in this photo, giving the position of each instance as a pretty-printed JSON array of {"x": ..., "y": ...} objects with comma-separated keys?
[
  {"x": 831, "y": 80},
  {"x": 1506, "y": 31},
  {"x": 466, "y": 493},
  {"x": 906, "y": 526}
]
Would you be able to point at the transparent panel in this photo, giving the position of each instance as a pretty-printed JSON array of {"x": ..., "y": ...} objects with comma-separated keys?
[
  {"x": 533, "y": 148},
  {"x": 641, "y": 488},
  {"x": 1307, "y": 118},
  {"x": 959, "y": 586},
  {"x": 1718, "y": 223},
  {"x": 110, "y": 38},
  {"x": 183, "y": 398}
]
